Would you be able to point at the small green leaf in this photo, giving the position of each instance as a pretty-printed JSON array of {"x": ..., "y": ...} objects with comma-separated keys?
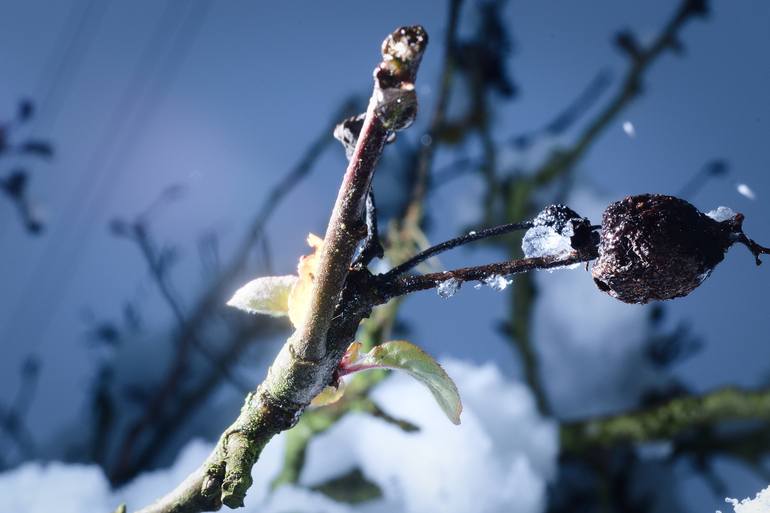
[
  {"x": 329, "y": 395},
  {"x": 268, "y": 295},
  {"x": 403, "y": 355}
]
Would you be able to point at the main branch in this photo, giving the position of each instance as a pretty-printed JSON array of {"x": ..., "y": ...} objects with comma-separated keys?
[{"x": 307, "y": 361}]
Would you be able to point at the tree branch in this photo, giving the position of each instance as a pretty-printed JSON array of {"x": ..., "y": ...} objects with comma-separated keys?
[
  {"x": 668, "y": 420},
  {"x": 642, "y": 59},
  {"x": 453, "y": 243},
  {"x": 308, "y": 359},
  {"x": 399, "y": 240},
  {"x": 401, "y": 285}
]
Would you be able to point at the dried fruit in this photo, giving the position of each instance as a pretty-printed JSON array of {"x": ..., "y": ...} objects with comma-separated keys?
[{"x": 656, "y": 247}]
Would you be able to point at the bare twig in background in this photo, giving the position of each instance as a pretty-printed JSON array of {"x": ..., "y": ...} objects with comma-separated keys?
[
  {"x": 15, "y": 184},
  {"x": 12, "y": 417},
  {"x": 713, "y": 169},
  {"x": 162, "y": 409},
  {"x": 560, "y": 123},
  {"x": 515, "y": 194},
  {"x": 159, "y": 267},
  {"x": 453, "y": 243}
]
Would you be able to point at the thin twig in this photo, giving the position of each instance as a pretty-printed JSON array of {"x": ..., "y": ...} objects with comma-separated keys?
[
  {"x": 160, "y": 278},
  {"x": 401, "y": 285},
  {"x": 453, "y": 243},
  {"x": 413, "y": 212},
  {"x": 641, "y": 60}
]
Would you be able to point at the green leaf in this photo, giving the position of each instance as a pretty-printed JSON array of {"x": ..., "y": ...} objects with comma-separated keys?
[
  {"x": 329, "y": 395},
  {"x": 405, "y": 356},
  {"x": 268, "y": 295}
]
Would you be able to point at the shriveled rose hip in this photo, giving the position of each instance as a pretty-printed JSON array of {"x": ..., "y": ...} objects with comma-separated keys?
[{"x": 656, "y": 247}]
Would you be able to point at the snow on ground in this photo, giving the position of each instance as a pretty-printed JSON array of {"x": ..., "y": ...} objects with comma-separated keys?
[
  {"x": 498, "y": 460},
  {"x": 759, "y": 504}
]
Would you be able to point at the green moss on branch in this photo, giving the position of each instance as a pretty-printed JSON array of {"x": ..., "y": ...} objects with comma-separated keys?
[{"x": 670, "y": 420}]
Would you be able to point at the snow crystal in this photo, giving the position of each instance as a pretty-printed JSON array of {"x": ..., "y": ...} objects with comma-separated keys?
[
  {"x": 540, "y": 241},
  {"x": 721, "y": 214},
  {"x": 745, "y": 190},
  {"x": 759, "y": 504},
  {"x": 629, "y": 129},
  {"x": 551, "y": 233},
  {"x": 448, "y": 288},
  {"x": 497, "y": 282}
]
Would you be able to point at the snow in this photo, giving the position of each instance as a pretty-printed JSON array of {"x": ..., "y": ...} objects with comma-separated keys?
[
  {"x": 745, "y": 190},
  {"x": 759, "y": 504},
  {"x": 540, "y": 241},
  {"x": 448, "y": 288},
  {"x": 550, "y": 234},
  {"x": 721, "y": 214},
  {"x": 549, "y": 237},
  {"x": 497, "y": 282},
  {"x": 499, "y": 459},
  {"x": 629, "y": 129}
]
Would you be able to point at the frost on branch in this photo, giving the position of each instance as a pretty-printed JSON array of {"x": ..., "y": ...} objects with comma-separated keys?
[
  {"x": 448, "y": 288},
  {"x": 720, "y": 214}
]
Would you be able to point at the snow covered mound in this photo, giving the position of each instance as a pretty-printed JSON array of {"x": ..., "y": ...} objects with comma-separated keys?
[
  {"x": 759, "y": 504},
  {"x": 498, "y": 460}
]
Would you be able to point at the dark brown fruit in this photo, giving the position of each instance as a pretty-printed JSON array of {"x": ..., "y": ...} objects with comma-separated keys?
[{"x": 656, "y": 247}]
